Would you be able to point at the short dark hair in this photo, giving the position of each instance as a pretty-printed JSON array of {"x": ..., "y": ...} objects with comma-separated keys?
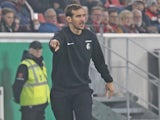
[
  {"x": 7, "y": 10},
  {"x": 112, "y": 11},
  {"x": 68, "y": 10},
  {"x": 97, "y": 8}
]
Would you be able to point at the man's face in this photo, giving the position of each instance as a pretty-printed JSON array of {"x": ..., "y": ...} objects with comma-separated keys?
[
  {"x": 36, "y": 52},
  {"x": 139, "y": 6},
  {"x": 113, "y": 18},
  {"x": 153, "y": 8},
  {"x": 51, "y": 18},
  {"x": 97, "y": 16},
  {"x": 137, "y": 18},
  {"x": 78, "y": 19},
  {"x": 105, "y": 17},
  {"x": 127, "y": 20},
  {"x": 9, "y": 18},
  {"x": 158, "y": 4}
]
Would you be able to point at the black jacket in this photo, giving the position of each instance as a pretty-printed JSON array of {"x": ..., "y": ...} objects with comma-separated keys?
[{"x": 71, "y": 62}]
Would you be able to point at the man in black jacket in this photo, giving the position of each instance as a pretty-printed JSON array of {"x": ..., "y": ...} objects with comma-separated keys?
[{"x": 73, "y": 48}]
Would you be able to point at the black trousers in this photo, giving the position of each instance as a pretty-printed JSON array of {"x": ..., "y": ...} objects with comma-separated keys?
[
  {"x": 33, "y": 112},
  {"x": 66, "y": 106}
]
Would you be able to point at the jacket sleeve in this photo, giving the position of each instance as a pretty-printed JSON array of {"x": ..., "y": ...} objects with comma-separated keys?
[
  {"x": 99, "y": 61},
  {"x": 21, "y": 78}
]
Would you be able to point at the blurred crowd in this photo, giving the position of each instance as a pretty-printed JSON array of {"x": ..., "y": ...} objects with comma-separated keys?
[{"x": 106, "y": 16}]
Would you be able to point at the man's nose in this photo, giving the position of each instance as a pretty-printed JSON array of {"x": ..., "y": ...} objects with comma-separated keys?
[{"x": 83, "y": 18}]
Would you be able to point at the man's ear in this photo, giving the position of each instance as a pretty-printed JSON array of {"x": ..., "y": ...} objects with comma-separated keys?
[{"x": 68, "y": 19}]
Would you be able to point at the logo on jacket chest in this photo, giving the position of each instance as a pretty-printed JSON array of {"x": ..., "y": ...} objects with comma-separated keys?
[{"x": 88, "y": 44}]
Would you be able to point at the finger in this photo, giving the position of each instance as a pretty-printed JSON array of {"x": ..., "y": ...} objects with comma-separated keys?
[
  {"x": 54, "y": 45},
  {"x": 53, "y": 41},
  {"x": 110, "y": 94},
  {"x": 109, "y": 91},
  {"x": 106, "y": 94},
  {"x": 56, "y": 48}
]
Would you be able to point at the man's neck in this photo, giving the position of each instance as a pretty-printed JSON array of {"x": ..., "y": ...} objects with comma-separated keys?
[{"x": 74, "y": 30}]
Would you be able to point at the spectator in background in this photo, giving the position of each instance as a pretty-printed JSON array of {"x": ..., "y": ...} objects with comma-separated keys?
[
  {"x": 6, "y": 24},
  {"x": 158, "y": 6},
  {"x": 138, "y": 22},
  {"x": 51, "y": 25},
  {"x": 96, "y": 19},
  {"x": 22, "y": 10},
  {"x": 158, "y": 10},
  {"x": 61, "y": 3},
  {"x": 114, "y": 21},
  {"x": 16, "y": 24},
  {"x": 100, "y": 20},
  {"x": 140, "y": 5},
  {"x": 135, "y": 4},
  {"x": 87, "y": 15},
  {"x": 152, "y": 12},
  {"x": 57, "y": 8},
  {"x": 105, "y": 19},
  {"x": 59, "y": 12},
  {"x": 105, "y": 22},
  {"x": 126, "y": 22},
  {"x": 88, "y": 24},
  {"x": 144, "y": 2}
]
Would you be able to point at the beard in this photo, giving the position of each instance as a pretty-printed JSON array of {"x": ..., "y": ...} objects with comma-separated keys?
[
  {"x": 139, "y": 24},
  {"x": 80, "y": 26}
]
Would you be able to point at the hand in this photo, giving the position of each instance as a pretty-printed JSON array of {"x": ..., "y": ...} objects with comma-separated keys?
[
  {"x": 109, "y": 28},
  {"x": 54, "y": 44},
  {"x": 109, "y": 89}
]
